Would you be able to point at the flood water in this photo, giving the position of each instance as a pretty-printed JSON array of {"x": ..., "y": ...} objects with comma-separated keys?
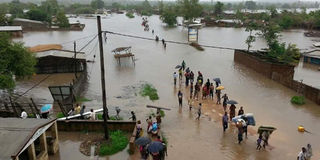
[{"x": 188, "y": 138}]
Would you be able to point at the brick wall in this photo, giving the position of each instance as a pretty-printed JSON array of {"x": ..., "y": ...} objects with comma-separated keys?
[{"x": 277, "y": 72}]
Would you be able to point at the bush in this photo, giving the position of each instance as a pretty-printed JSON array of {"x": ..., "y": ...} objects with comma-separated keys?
[
  {"x": 149, "y": 90},
  {"x": 60, "y": 115},
  {"x": 82, "y": 99},
  {"x": 118, "y": 142},
  {"x": 99, "y": 117},
  {"x": 162, "y": 113},
  {"x": 31, "y": 115},
  {"x": 129, "y": 15},
  {"x": 299, "y": 100}
]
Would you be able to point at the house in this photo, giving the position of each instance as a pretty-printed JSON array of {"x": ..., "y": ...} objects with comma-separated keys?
[
  {"x": 312, "y": 57},
  {"x": 15, "y": 31},
  {"x": 53, "y": 59},
  {"x": 29, "y": 138},
  {"x": 30, "y": 25}
]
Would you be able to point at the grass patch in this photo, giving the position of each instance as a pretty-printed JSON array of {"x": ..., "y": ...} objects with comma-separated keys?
[
  {"x": 129, "y": 15},
  {"x": 150, "y": 91},
  {"x": 82, "y": 99},
  {"x": 31, "y": 115},
  {"x": 118, "y": 142},
  {"x": 162, "y": 113},
  {"x": 299, "y": 100},
  {"x": 99, "y": 117},
  {"x": 60, "y": 115}
]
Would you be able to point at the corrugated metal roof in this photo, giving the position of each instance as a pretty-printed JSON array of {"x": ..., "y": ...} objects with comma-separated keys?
[
  {"x": 27, "y": 20},
  {"x": 60, "y": 53},
  {"x": 16, "y": 132},
  {"x": 10, "y": 28}
]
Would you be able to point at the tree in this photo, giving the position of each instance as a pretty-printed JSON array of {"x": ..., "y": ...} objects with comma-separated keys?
[
  {"x": 251, "y": 5},
  {"x": 62, "y": 20},
  {"x": 169, "y": 16},
  {"x": 146, "y": 8},
  {"x": 15, "y": 60},
  {"x": 286, "y": 21},
  {"x": 190, "y": 9},
  {"x": 16, "y": 8},
  {"x": 161, "y": 7},
  {"x": 218, "y": 8},
  {"x": 97, "y": 4},
  {"x": 50, "y": 7},
  {"x": 38, "y": 14},
  {"x": 251, "y": 26}
]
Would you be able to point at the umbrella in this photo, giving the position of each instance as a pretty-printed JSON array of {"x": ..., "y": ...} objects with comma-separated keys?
[
  {"x": 266, "y": 128},
  {"x": 178, "y": 66},
  {"x": 220, "y": 88},
  {"x": 155, "y": 146},
  {"x": 143, "y": 141},
  {"x": 248, "y": 116},
  {"x": 232, "y": 102},
  {"x": 217, "y": 80},
  {"x": 46, "y": 108}
]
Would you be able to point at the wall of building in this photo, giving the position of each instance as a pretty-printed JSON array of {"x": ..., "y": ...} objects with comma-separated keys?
[{"x": 277, "y": 72}]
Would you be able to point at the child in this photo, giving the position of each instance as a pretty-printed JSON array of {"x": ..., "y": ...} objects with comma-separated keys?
[
  {"x": 259, "y": 140},
  {"x": 199, "y": 111},
  {"x": 133, "y": 116}
]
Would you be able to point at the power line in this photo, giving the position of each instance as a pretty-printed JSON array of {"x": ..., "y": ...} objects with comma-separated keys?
[{"x": 167, "y": 41}]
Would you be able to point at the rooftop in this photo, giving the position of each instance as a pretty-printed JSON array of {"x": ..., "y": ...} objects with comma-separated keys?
[
  {"x": 60, "y": 53},
  {"x": 27, "y": 20},
  {"x": 10, "y": 28},
  {"x": 315, "y": 54},
  {"x": 15, "y": 134},
  {"x": 45, "y": 47}
]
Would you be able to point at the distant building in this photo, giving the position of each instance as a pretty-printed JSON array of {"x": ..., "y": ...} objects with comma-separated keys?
[
  {"x": 15, "y": 31},
  {"x": 312, "y": 57},
  {"x": 30, "y": 25},
  {"x": 56, "y": 60},
  {"x": 29, "y": 138}
]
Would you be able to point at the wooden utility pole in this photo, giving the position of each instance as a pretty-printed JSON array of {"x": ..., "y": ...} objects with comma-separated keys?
[
  {"x": 103, "y": 82},
  {"x": 75, "y": 58}
]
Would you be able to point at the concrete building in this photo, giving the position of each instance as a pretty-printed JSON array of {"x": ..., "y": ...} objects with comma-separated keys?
[
  {"x": 15, "y": 31},
  {"x": 30, "y": 138}
]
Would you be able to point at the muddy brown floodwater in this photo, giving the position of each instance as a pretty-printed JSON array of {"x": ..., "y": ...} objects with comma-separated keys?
[{"x": 189, "y": 138}]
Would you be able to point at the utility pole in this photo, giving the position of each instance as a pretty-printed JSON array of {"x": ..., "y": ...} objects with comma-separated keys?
[
  {"x": 103, "y": 82},
  {"x": 75, "y": 58}
]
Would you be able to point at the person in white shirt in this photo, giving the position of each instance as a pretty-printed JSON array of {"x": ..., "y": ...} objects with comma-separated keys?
[
  {"x": 302, "y": 154},
  {"x": 175, "y": 76},
  {"x": 92, "y": 115},
  {"x": 24, "y": 114}
]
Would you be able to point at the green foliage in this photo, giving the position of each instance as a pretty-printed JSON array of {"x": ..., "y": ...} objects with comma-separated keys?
[
  {"x": 162, "y": 113},
  {"x": 251, "y": 26},
  {"x": 146, "y": 8},
  {"x": 169, "y": 16},
  {"x": 190, "y": 9},
  {"x": 299, "y": 100},
  {"x": 31, "y": 115},
  {"x": 15, "y": 60},
  {"x": 60, "y": 115},
  {"x": 149, "y": 90},
  {"x": 99, "y": 117},
  {"x": 16, "y": 8},
  {"x": 3, "y": 20},
  {"x": 38, "y": 14},
  {"x": 218, "y": 8},
  {"x": 82, "y": 99},
  {"x": 280, "y": 53},
  {"x": 129, "y": 15},
  {"x": 118, "y": 142},
  {"x": 97, "y": 4},
  {"x": 84, "y": 10},
  {"x": 50, "y": 7},
  {"x": 62, "y": 20},
  {"x": 286, "y": 22},
  {"x": 114, "y": 118}
]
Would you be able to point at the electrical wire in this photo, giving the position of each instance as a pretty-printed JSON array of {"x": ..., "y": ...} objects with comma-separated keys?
[{"x": 168, "y": 41}]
